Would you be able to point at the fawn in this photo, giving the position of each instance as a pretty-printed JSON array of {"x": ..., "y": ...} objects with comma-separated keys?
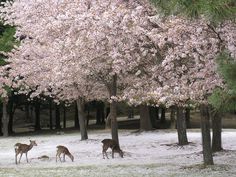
[
  {"x": 109, "y": 143},
  {"x": 64, "y": 151},
  {"x": 23, "y": 148}
]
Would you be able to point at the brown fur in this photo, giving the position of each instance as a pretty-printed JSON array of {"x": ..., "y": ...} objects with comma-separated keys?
[
  {"x": 23, "y": 148},
  {"x": 109, "y": 143},
  {"x": 64, "y": 151}
]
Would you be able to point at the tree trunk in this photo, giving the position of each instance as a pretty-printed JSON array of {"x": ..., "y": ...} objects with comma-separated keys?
[
  {"x": 187, "y": 116},
  {"x": 145, "y": 121},
  {"x": 163, "y": 115},
  {"x": 103, "y": 112},
  {"x": 157, "y": 113},
  {"x": 82, "y": 119},
  {"x": 37, "y": 115},
  {"x": 10, "y": 113},
  {"x": 216, "y": 130},
  {"x": 172, "y": 118},
  {"x": 64, "y": 116},
  {"x": 88, "y": 114},
  {"x": 27, "y": 114},
  {"x": 181, "y": 127},
  {"x": 153, "y": 116},
  {"x": 113, "y": 110},
  {"x": 76, "y": 118},
  {"x": 130, "y": 112},
  {"x": 5, "y": 118},
  {"x": 108, "y": 118},
  {"x": 50, "y": 115},
  {"x": 57, "y": 117},
  {"x": 206, "y": 136},
  {"x": 98, "y": 113}
]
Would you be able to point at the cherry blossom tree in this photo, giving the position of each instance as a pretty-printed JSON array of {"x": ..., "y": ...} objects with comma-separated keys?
[
  {"x": 101, "y": 41},
  {"x": 187, "y": 73}
]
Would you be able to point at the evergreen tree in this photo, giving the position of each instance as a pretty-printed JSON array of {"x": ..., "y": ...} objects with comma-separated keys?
[
  {"x": 215, "y": 11},
  {"x": 7, "y": 41}
]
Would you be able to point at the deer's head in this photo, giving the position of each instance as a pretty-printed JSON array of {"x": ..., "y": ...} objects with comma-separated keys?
[{"x": 33, "y": 143}]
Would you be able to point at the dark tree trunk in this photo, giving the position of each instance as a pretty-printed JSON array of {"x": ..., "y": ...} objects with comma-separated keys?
[
  {"x": 113, "y": 110},
  {"x": 10, "y": 113},
  {"x": 64, "y": 116},
  {"x": 5, "y": 118},
  {"x": 181, "y": 127},
  {"x": 98, "y": 113},
  {"x": 216, "y": 130},
  {"x": 172, "y": 117},
  {"x": 206, "y": 136},
  {"x": 27, "y": 113},
  {"x": 57, "y": 117},
  {"x": 153, "y": 116},
  {"x": 82, "y": 119},
  {"x": 131, "y": 112},
  {"x": 88, "y": 113},
  {"x": 103, "y": 112},
  {"x": 157, "y": 113},
  {"x": 50, "y": 115},
  {"x": 145, "y": 121},
  {"x": 187, "y": 116},
  {"x": 107, "y": 111},
  {"x": 108, "y": 119},
  {"x": 163, "y": 115},
  {"x": 37, "y": 115},
  {"x": 76, "y": 118}
]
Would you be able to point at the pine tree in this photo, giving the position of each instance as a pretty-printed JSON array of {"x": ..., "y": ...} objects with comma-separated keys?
[
  {"x": 7, "y": 41},
  {"x": 215, "y": 11}
]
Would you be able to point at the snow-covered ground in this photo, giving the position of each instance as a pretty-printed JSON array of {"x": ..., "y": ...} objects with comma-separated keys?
[{"x": 145, "y": 154}]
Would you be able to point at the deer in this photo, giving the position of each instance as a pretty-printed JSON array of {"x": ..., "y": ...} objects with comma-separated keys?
[
  {"x": 23, "y": 148},
  {"x": 109, "y": 143},
  {"x": 64, "y": 151}
]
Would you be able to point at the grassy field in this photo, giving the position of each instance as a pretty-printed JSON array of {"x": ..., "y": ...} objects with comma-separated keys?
[{"x": 148, "y": 154}]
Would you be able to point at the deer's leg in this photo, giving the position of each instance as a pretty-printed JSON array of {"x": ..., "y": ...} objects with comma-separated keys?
[
  {"x": 112, "y": 153},
  {"x": 57, "y": 156},
  {"x": 104, "y": 151},
  {"x": 26, "y": 157},
  {"x": 64, "y": 157},
  {"x": 20, "y": 156},
  {"x": 16, "y": 157}
]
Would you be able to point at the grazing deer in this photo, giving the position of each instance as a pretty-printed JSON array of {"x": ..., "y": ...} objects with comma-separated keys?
[
  {"x": 109, "y": 143},
  {"x": 64, "y": 151},
  {"x": 23, "y": 148}
]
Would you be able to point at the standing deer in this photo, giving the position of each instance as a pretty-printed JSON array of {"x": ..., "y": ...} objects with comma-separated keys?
[
  {"x": 64, "y": 151},
  {"x": 23, "y": 148},
  {"x": 109, "y": 143}
]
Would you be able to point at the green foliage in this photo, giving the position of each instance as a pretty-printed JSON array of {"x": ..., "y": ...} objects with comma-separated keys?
[
  {"x": 214, "y": 10},
  {"x": 224, "y": 100},
  {"x": 227, "y": 67},
  {"x": 7, "y": 41}
]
